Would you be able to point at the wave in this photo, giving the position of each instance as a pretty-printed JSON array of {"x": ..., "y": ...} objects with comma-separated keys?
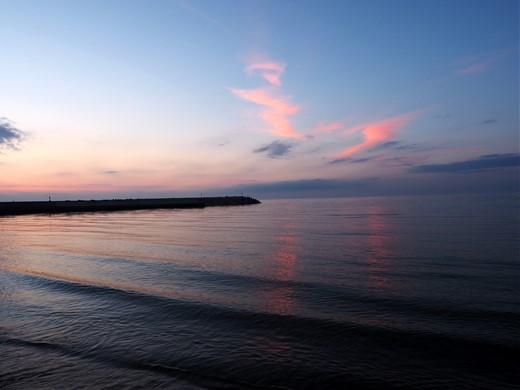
[
  {"x": 218, "y": 346},
  {"x": 195, "y": 375},
  {"x": 211, "y": 311},
  {"x": 322, "y": 303}
]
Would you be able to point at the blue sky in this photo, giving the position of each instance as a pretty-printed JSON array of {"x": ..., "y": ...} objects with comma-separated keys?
[{"x": 336, "y": 98}]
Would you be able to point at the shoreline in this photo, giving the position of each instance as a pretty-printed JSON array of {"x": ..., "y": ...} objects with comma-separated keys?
[{"x": 78, "y": 206}]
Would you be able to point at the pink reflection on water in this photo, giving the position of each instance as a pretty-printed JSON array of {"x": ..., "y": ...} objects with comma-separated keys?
[
  {"x": 279, "y": 299},
  {"x": 282, "y": 264},
  {"x": 285, "y": 258},
  {"x": 382, "y": 240}
]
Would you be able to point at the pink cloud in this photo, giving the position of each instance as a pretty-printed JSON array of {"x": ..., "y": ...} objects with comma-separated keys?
[
  {"x": 328, "y": 127},
  {"x": 378, "y": 132},
  {"x": 278, "y": 109},
  {"x": 482, "y": 63},
  {"x": 269, "y": 70}
]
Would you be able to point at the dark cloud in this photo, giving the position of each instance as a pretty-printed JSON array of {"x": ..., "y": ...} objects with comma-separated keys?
[
  {"x": 110, "y": 172},
  {"x": 302, "y": 188},
  {"x": 486, "y": 181},
  {"x": 491, "y": 161},
  {"x": 275, "y": 149},
  {"x": 361, "y": 160},
  {"x": 388, "y": 144},
  {"x": 398, "y": 161},
  {"x": 10, "y": 136},
  {"x": 414, "y": 147},
  {"x": 352, "y": 160},
  {"x": 398, "y": 145},
  {"x": 488, "y": 121}
]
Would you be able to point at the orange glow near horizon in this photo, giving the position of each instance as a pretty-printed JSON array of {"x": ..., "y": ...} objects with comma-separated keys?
[
  {"x": 84, "y": 186},
  {"x": 53, "y": 189}
]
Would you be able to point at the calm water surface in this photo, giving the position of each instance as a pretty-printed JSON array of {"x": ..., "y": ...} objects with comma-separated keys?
[{"x": 376, "y": 293}]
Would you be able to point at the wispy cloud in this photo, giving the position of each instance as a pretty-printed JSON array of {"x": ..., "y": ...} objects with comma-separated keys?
[
  {"x": 406, "y": 161},
  {"x": 351, "y": 160},
  {"x": 328, "y": 127},
  {"x": 275, "y": 149},
  {"x": 277, "y": 112},
  {"x": 442, "y": 116},
  {"x": 482, "y": 63},
  {"x": 388, "y": 145},
  {"x": 377, "y": 132},
  {"x": 269, "y": 70},
  {"x": 279, "y": 108},
  {"x": 10, "y": 136},
  {"x": 489, "y": 121},
  {"x": 398, "y": 145},
  {"x": 482, "y": 163},
  {"x": 186, "y": 5}
]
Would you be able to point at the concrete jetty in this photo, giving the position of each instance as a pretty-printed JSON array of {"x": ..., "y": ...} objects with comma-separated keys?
[{"x": 74, "y": 206}]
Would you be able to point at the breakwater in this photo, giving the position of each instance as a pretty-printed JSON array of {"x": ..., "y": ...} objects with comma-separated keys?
[{"x": 71, "y": 206}]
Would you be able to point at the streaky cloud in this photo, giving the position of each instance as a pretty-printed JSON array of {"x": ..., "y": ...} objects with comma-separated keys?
[
  {"x": 278, "y": 109},
  {"x": 387, "y": 145},
  {"x": 378, "y": 132},
  {"x": 351, "y": 160},
  {"x": 306, "y": 185},
  {"x": 406, "y": 161},
  {"x": 203, "y": 15},
  {"x": 482, "y": 63},
  {"x": 328, "y": 127},
  {"x": 275, "y": 149},
  {"x": 398, "y": 145},
  {"x": 482, "y": 163},
  {"x": 269, "y": 70}
]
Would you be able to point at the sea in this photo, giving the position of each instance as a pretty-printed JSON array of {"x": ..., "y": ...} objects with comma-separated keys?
[{"x": 346, "y": 293}]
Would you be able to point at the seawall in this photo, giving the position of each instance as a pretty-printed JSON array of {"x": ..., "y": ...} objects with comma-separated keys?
[{"x": 69, "y": 206}]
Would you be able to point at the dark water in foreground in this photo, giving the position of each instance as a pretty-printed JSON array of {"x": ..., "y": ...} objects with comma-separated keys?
[{"x": 382, "y": 293}]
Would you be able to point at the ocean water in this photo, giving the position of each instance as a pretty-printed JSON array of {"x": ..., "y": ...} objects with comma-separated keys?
[{"x": 354, "y": 293}]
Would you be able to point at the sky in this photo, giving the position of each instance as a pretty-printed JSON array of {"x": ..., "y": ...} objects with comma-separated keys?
[{"x": 285, "y": 98}]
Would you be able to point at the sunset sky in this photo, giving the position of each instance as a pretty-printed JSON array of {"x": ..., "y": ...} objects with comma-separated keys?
[{"x": 120, "y": 98}]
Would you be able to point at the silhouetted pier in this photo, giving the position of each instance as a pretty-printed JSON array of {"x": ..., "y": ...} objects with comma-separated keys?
[{"x": 74, "y": 206}]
